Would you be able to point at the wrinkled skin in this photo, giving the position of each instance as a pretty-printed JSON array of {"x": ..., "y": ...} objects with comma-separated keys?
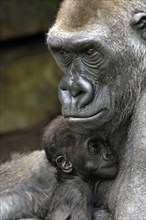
[{"x": 101, "y": 47}]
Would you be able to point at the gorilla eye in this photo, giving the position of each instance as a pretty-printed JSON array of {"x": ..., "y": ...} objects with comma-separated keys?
[
  {"x": 90, "y": 51},
  {"x": 59, "y": 51},
  {"x": 62, "y": 52},
  {"x": 93, "y": 147},
  {"x": 62, "y": 56}
]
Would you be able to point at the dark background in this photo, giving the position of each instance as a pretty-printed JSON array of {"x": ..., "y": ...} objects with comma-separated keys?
[{"x": 28, "y": 74}]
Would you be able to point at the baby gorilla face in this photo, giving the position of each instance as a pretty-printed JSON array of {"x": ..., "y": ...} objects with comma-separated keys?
[
  {"x": 93, "y": 158},
  {"x": 75, "y": 154}
]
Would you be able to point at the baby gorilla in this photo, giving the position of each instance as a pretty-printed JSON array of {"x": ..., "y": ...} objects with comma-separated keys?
[{"x": 82, "y": 163}]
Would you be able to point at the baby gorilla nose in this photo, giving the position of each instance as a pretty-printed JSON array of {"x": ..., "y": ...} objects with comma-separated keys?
[{"x": 108, "y": 156}]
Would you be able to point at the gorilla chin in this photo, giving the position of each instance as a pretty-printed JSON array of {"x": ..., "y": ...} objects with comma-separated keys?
[{"x": 89, "y": 124}]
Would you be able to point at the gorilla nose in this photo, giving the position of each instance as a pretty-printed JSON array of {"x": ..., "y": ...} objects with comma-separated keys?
[
  {"x": 79, "y": 89},
  {"x": 82, "y": 90}
]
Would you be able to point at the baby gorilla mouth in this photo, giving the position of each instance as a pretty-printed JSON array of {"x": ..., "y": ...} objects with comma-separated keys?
[
  {"x": 111, "y": 165},
  {"x": 110, "y": 170}
]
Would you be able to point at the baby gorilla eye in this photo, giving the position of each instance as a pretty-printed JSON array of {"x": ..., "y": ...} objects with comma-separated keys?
[{"x": 93, "y": 147}]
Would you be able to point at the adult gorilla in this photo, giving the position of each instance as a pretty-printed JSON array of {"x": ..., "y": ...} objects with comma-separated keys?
[{"x": 101, "y": 47}]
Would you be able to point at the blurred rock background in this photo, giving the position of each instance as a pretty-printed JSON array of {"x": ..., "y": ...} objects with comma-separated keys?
[{"x": 28, "y": 74}]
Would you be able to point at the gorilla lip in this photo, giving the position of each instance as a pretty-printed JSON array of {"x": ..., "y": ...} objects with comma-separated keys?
[
  {"x": 98, "y": 114},
  {"x": 111, "y": 165}
]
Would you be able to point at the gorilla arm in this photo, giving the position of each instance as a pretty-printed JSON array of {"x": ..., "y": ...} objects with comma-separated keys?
[
  {"x": 72, "y": 199},
  {"x": 25, "y": 184},
  {"x": 130, "y": 186}
]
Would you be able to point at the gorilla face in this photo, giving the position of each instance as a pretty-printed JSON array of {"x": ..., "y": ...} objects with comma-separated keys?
[
  {"x": 82, "y": 91},
  {"x": 101, "y": 73},
  {"x": 86, "y": 156}
]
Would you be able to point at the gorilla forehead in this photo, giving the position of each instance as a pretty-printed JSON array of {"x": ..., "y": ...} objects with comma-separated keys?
[{"x": 71, "y": 15}]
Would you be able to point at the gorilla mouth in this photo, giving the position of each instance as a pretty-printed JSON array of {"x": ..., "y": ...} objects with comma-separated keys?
[
  {"x": 110, "y": 165},
  {"x": 86, "y": 119},
  {"x": 84, "y": 125}
]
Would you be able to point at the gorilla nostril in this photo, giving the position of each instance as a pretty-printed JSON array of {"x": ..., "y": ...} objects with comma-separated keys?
[
  {"x": 76, "y": 93},
  {"x": 75, "y": 89}
]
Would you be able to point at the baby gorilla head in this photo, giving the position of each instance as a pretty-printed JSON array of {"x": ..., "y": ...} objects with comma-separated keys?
[
  {"x": 71, "y": 153},
  {"x": 93, "y": 158}
]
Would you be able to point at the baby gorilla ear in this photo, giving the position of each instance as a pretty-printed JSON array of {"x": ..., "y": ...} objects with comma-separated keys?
[{"x": 64, "y": 165}]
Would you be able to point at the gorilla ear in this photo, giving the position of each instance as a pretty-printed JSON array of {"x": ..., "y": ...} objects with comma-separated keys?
[
  {"x": 138, "y": 22},
  {"x": 64, "y": 165}
]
